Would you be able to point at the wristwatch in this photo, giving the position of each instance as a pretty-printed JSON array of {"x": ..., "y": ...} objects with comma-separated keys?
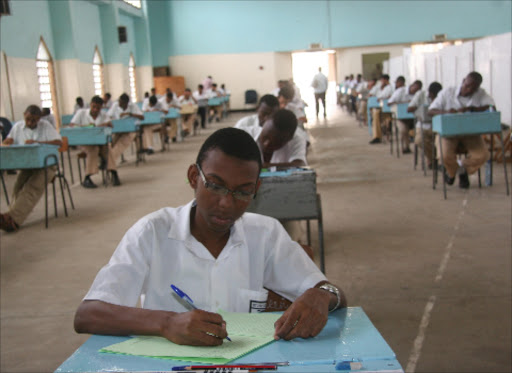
[{"x": 334, "y": 290}]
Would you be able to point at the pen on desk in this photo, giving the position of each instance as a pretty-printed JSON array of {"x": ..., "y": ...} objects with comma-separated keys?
[{"x": 187, "y": 299}]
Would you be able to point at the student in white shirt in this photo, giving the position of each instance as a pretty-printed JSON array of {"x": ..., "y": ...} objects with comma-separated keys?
[
  {"x": 107, "y": 101},
  {"x": 79, "y": 105},
  {"x": 319, "y": 85},
  {"x": 363, "y": 90},
  {"x": 170, "y": 126},
  {"x": 222, "y": 257},
  {"x": 94, "y": 116},
  {"x": 401, "y": 95},
  {"x": 30, "y": 183},
  {"x": 383, "y": 93},
  {"x": 123, "y": 108},
  {"x": 201, "y": 96},
  {"x": 468, "y": 97},
  {"x": 188, "y": 111},
  {"x": 215, "y": 111},
  {"x": 48, "y": 116},
  {"x": 418, "y": 106},
  {"x": 266, "y": 109},
  {"x": 285, "y": 98},
  {"x": 145, "y": 102},
  {"x": 147, "y": 131}
]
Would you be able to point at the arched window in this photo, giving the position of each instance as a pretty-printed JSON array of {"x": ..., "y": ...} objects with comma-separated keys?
[
  {"x": 97, "y": 73},
  {"x": 46, "y": 79},
  {"x": 133, "y": 82}
]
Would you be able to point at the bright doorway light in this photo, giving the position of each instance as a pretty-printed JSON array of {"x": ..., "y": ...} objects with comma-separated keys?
[{"x": 305, "y": 66}]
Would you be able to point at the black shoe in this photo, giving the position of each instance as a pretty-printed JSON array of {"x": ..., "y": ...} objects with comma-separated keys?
[
  {"x": 376, "y": 141},
  {"x": 174, "y": 139},
  {"x": 166, "y": 139},
  {"x": 217, "y": 119},
  {"x": 115, "y": 178},
  {"x": 150, "y": 151},
  {"x": 406, "y": 151},
  {"x": 87, "y": 183},
  {"x": 447, "y": 179},
  {"x": 103, "y": 163},
  {"x": 464, "y": 180}
]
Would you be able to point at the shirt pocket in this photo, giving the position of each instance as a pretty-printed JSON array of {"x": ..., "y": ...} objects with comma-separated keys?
[{"x": 251, "y": 300}]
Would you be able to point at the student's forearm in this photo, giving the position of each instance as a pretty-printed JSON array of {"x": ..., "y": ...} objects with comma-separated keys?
[
  {"x": 411, "y": 109},
  {"x": 53, "y": 142},
  {"x": 295, "y": 163},
  {"x": 98, "y": 317},
  {"x": 8, "y": 141}
]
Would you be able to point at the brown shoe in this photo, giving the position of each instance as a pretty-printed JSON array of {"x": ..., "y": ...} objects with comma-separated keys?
[{"x": 8, "y": 224}]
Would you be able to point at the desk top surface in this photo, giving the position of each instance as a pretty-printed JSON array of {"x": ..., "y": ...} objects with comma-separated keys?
[{"x": 348, "y": 336}]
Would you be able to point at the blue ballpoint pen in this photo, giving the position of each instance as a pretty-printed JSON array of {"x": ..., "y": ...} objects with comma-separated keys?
[{"x": 187, "y": 299}]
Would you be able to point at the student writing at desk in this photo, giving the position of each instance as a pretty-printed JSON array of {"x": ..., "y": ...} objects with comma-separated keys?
[
  {"x": 187, "y": 103},
  {"x": 201, "y": 96},
  {"x": 220, "y": 256},
  {"x": 94, "y": 116},
  {"x": 401, "y": 95},
  {"x": 79, "y": 104},
  {"x": 121, "y": 109},
  {"x": 417, "y": 106},
  {"x": 468, "y": 97},
  {"x": 170, "y": 126},
  {"x": 147, "y": 132},
  {"x": 384, "y": 91},
  {"x": 30, "y": 185}
]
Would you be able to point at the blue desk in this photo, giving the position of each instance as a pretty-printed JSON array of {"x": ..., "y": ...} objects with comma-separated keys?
[
  {"x": 398, "y": 112},
  {"x": 348, "y": 336},
  {"x": 215, "y": 101},
  {"x": 87, "y": 135},
  {"x": 125, "y": 125},
  {"x": 449, "y": 125},
  {"x": 32, "y": 156},
  {"x": 66, "y": 119}
]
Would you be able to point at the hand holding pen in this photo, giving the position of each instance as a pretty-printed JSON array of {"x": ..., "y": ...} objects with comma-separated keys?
[{"x": 196, "y": 327}]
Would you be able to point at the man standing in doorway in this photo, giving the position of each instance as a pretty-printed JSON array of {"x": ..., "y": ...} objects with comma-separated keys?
[{"x": 319, "y": 84}]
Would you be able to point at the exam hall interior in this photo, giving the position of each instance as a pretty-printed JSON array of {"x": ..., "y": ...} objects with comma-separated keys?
[{"x": 432, "y": 274}]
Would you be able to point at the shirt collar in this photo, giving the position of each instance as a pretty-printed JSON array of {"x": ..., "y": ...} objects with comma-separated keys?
[{"x": 180, "y": 231}]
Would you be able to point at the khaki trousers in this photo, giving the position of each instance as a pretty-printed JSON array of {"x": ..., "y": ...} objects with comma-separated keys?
[
  {"x": 379, "y": 119},
  {"x": 147, "y": 135},
  {"x": 361, "y": 110},
  {"x": 121, "y": 142},
  {"x": 477, "y": 153},
  {"x": 427, "y": 134},
  {"x": 403, "y": 132},
  {"x": 28, "y": 189},
  {"x": 93, "y": 152},
  {"x": 188, "y": 122}
]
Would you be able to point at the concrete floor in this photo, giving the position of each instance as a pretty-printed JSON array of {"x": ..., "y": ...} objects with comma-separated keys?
[{"x": 400, "y": 251}]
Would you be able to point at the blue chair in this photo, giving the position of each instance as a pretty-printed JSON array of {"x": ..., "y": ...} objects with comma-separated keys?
[{"x": 66, "y": 119}]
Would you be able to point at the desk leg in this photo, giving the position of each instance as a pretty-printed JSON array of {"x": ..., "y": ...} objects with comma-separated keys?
[
  {"x": 435, "y": 163},
  {"x": 504, "y": 162},
  {"x": 70, "y": 167},
  {"x": 390, "y": 135},
  {"x": 46, "y": 196},
  {"x": 442, "y": 164},
  {"x": 308, "y": 229},
  {"x": 60, "y": 177},
  {"x": 321, "y": 233},
  {"x": 492, "y": 148},
  {"x": 423, "y": 164},
  {"x": 5, "y": 189},
  {"x": 54, "y": 199}
]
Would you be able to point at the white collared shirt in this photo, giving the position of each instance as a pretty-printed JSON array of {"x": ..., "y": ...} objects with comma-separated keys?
[
  {"x": 184, "y": 101},
  {"x": 201, "y": 98},
  {"x": 319, "y": 83},
  {"x": 159, "y": 250},
  {"x": 400, "y": 95},
  {"x": 44, "y": 131},
  {"x": 158, "y": 107},
  {"x": 449, "y": 98},
  {"x": 83, "y": 118},
  {"x": 384, "y": 93},
  {"x": 295, "y": 149},
  {"x": 145, "y": 104},
  {"x": 421, "y": 101},
  {"x": 116, "y": 110},
  {"x": 51, "y": 119},
  {"x": 249, "y": 124},
  {"x": 167, "y": 105}
]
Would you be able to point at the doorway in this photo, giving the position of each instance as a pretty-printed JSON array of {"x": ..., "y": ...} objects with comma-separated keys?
[
  {"x": 372, "y": 65},
  {"x": 305, "y": 66}
]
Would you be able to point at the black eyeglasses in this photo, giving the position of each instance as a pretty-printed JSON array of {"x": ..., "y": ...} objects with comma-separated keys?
[{"x": 222, "y": 191}]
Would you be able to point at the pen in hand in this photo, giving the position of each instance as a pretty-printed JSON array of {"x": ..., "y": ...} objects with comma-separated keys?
[{"x": 187, "y": 299}]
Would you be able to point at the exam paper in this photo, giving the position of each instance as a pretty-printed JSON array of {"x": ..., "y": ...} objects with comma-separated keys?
[{"x": 248, "y": 331}]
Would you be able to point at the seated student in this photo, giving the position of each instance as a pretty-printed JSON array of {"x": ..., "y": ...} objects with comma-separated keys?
[
  {"x": 188, "y": 115},
  {"x": 170, "y": 126},
  {"x": 201, "y": 96},
  {"x": 79, "y": 105},
  {"x": 280, "y": 84},
  {"x": 401, "y": 95},
  {"x": 266, "y": 109},
  {"x": 120, "y": 109},
  {"x": 215, "y": 111},
  {"x": 145, "y": 102},
  {"x": 153, "y": 93},
  {"x": 363, "y": 90},
  {"x": 96, "y": 117},
  {"x": 147, "y": 132},
  {"x": 286, "y": 95},
  {"x": 468, "y": 97},
  {"x": 383, "y": 93},
  {"x": 417, "y": 106},
  {"x": 107, "y": 101},
  {"x": 279, "y": 142},
  {"x": 222, "y": 257},
  {"x": 30, "y": 185},
  {"x": 48, "y": 116}
]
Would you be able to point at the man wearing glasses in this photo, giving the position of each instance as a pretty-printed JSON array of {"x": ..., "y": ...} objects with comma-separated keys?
[{"x": 222, "y": 257}]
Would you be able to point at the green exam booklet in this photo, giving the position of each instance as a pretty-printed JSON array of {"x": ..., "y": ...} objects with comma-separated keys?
[{"x": 248, "y": 331}]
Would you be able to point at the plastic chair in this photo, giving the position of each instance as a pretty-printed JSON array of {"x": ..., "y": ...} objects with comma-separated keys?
[{"x": 251, "y": 97}]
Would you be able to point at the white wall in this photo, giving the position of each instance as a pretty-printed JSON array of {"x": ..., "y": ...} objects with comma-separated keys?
[
  {"x": 490, "y": 56},
  {"x": 5, "y": 92},
  {"x": 350, "y": 60},
  {"x": 239, "y": 72},
  {"x": 144, "y": 76}
]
